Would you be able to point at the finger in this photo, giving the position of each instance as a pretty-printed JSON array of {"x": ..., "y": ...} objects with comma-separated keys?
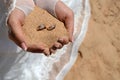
[
  {"x": 36, "y": 48},
  {"x": 52, "y": 50},
  {"x": 69, "y": 23},
  {"x": 39, "y": 48},
  {"x": 63, "y": 40},
  {"x": 57, "y": 45},
  {"x": 47, "y": 51}
]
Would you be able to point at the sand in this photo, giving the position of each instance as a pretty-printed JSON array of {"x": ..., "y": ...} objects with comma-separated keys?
[
  {"x": 100, "y": 49},
  {"x": 48, "y": 37},
  {"x": 99, "y": 54}
]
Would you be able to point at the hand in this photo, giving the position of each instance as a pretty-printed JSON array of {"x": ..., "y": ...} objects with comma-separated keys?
[
  {"x": 15, "y": 22},
  {"x": 65, "y": 15}
]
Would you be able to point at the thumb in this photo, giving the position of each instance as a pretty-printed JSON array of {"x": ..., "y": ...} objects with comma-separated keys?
[{"x": 15, "y": 22}]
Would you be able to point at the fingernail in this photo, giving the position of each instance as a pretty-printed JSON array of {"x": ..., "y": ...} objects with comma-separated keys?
[
  {"x": 24, "y": 47},
  {"x": 72, "y": 39}
]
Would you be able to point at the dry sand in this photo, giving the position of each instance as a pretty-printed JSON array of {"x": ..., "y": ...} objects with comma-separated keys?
[
  {"x": 100, "y": 49},
  {"x": 48, "y": 37}
]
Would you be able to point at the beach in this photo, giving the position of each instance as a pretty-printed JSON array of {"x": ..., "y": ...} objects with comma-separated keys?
[{"x": 99, "y": 53}]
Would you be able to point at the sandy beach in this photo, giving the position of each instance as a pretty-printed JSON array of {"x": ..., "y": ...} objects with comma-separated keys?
[{"x": 99, "y": 54}]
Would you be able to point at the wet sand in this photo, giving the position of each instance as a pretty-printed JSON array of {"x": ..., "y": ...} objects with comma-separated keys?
[{"x": 100, "y": 49}]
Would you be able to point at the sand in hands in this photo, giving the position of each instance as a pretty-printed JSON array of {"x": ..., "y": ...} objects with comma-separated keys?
[{"x": 48, "y": 37}]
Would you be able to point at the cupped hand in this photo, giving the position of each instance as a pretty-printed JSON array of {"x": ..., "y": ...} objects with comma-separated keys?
[
  {"x": 65, "y": 15},
  {"x": 15, "y": 23}
]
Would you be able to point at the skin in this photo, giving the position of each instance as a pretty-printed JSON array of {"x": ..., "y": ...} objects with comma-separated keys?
[{"x": 16, "y": 21}]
